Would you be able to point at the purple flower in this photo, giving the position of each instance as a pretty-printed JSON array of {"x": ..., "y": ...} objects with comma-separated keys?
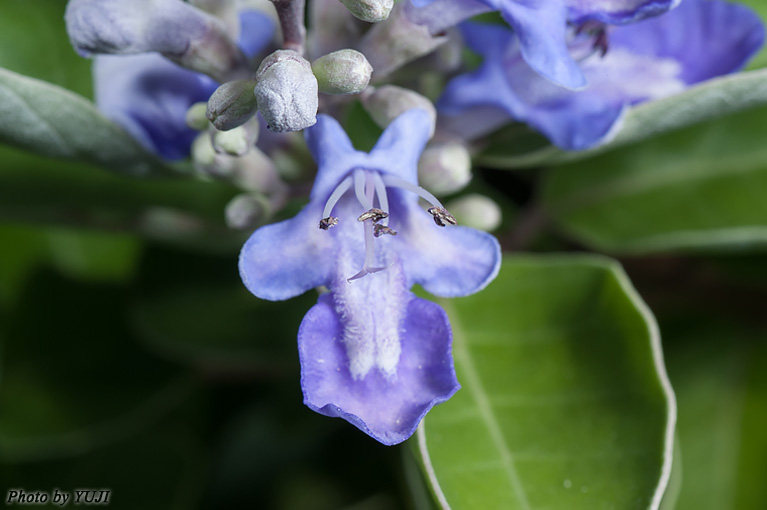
[
  {"x": 371, "y": 351},
  {"x": 541, "y": 25},
  {"x": 655, "y": 58},
  {"x": 149, "y": 95}
]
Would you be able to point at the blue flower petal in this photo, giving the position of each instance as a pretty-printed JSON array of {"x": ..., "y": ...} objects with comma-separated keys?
[
  {"x": 334, "y": 153},
  {"x": 256, "y": 32},
  {"x": 149, "y": 96},
  {"x": 422, "y": 3},
  {"x": 655, "y": 58},
  {"x": 285, "y": 259},
  {"x": 617, "y": 11},
  {"x": 446, "y": 261},
  {"x": 405, "y": 137},
  {"x": 708, "y": 38},
  {"x": 540, "y": 27},
  {"x": 388, "y": 408}
]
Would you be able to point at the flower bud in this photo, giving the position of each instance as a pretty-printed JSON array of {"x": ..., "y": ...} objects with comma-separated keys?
[
  {"x": 332, "y": 27},
  {"x": 342, "y": 72},
  {"x": 232, "y": 104},
  {"x": 196, "y": 118},
  {"x": 384, "y": 104},
  {"x": 287, "y": 92},
  {"x": 371, "y": 11},
  {"x": 246, "y": 211},
  {"x": 225, "y": 10},
  {"x": 203, "y": 154},
  {"x": 179, "y": 31},
  {"x": 234, "y": 142},
  {"x": 476, "y": 211},
  {"x": 237, "y": 141},
  {"x": 252, "y": 171},
  {"x": 397, "y": 41},
  {"x": 444, "y": 168}
]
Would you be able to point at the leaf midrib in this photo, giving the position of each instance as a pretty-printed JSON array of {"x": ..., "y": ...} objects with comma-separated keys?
[{"x": 473, "y": 382}]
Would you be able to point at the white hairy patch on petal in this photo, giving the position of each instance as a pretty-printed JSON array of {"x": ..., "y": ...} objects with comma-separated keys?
[{"x": 371, "y": 310}]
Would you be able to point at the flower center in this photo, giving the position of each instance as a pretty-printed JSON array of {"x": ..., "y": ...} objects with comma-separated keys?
[
  {"x": 589, "y": 38},
  {"x": 370, "y": 189}
]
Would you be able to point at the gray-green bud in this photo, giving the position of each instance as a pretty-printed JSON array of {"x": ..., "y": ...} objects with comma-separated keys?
[
  {"x": 476, "y": 211},
  {"x": 371, "y": 11},
  {"x": 196, "y": 118},
  {"x": 287, "y": 92},
  {"x": 234, "y": 142},
  {"x": 342, "y": 72},
  {"x": 392, "y": 44},
  {"x": 444, "y": 168},
  {"x": 232, "y": 104},
  {"x": 246, "y": 211},
  {"x": 384, "y": 104},
  {"x": 237, "y": 141}
]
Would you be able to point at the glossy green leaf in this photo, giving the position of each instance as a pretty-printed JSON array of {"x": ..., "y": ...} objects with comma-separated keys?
[
  {"x": 704, "y": 102},
  {"x": 565, "y": 401},
  {"x": 51, "y": 121},
  {"x": 700, "y": 187},
  {"x": 718, "y": 373}
]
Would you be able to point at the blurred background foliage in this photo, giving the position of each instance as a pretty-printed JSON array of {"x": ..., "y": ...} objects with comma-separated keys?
[{"x": 132, "y": 358}]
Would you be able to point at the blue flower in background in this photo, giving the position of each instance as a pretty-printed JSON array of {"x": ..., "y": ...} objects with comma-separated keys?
[
  {"x": 144, "y": 92},
  {"x": 541, "y": 26},
  {"x": 371, "y": 351},
  {"x": 699, "y": 40}
]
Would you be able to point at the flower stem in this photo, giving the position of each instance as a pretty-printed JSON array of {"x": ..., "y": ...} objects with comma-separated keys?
[{"x": 291, "y": 14}]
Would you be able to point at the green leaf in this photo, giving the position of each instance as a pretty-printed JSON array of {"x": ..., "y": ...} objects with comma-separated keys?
[
  {"x": 221, "y": 327},
  {"x": 34, "y": 42},
  {"x": 51, "y": 121},
  {"x": 706, "y": 101},
  {"x": 210, "y": 320},
  {"x": 159, "y": 469},
  {"x": 718, "y": 373},
  {"x": 72, "y": 376},
  {"x": 43, "y": 190},
  {"x": 760, "y": 6},
  {"x": 699, "y": 187},
  {"x": 565, "y": 401}
]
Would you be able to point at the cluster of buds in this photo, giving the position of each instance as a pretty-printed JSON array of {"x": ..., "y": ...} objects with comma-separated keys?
[{"x": 256, "y": 87}]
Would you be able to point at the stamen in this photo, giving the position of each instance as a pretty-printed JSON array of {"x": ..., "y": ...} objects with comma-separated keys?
[
  {"x": 335, "y": 197},
  {"x": 360, "y": 181},
  {"x": 438, "y": 211},
  {"x": 328, "y": 222},
  {"x": 390, "y": 180},
  {"x": 379, "y": 230},
  {"x": 374, "y": 214},
  {"x": 600, "y": 42},
  {"x": 383, "y": 198}
]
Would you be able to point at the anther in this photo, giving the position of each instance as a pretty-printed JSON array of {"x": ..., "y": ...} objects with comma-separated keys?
[
  {"x": 598, "y": 31},
  {"x": 374, "y": 214},
  {"x": 441, "y": 216},
  {"x": 379, "y": 230},
  {"x": 328, "y": 222}
]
